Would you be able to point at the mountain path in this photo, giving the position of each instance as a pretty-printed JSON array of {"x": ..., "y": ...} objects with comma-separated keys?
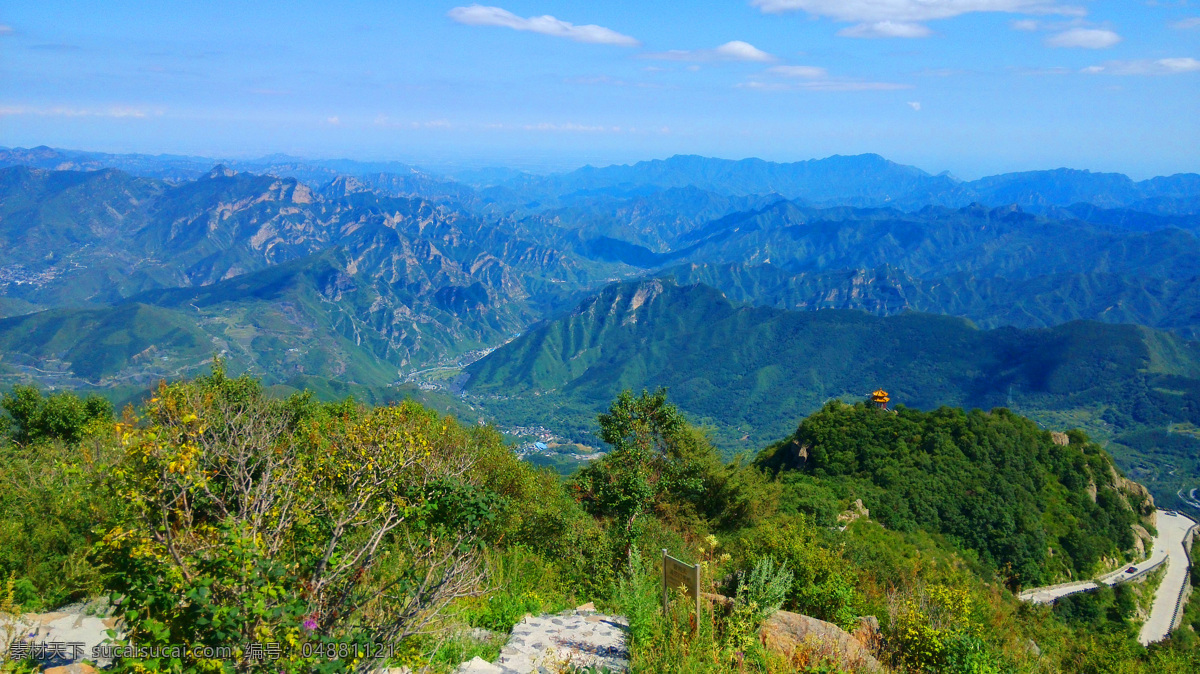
[{"x": 571, "y": 640}]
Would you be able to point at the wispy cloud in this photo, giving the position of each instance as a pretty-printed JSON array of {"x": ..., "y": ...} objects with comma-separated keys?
[
  {"x": 1187, "y": 24},
  {"x": 1169, "y": 66},
  {"x": 803, "y": 72},
  {"x": 824, "y": 85},
  {"x": 886, "y": 29},
  {"x": 5, "y": 29},
  {"x": 1084, "y": 38},
  {"x": 730, "y": 51},
  {"x": 479, "y": 15},
  {"x": 814, "y": 78},
  {"x": 65, "y": 111},
  {"x": 904, "y": 18},
  {"x": 915, "y": 105}
]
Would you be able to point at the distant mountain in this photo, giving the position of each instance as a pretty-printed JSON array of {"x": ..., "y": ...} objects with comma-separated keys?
[
  {"x": 388, "y": 178},
  {"x": 751, "y": 373},
  {"x": 931, "y": 243},
  {"x": 858, "y": 180},
  {"x": 989, "y": 302},
  {"x": 866, "y": 180},
  {"x": 871, "y": 181},
  {"x": 428, "y": 281}
]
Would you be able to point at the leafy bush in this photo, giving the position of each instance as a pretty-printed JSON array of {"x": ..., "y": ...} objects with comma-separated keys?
[
  {"x": 291, "y": 522},
  {"x": 60, "y": 416},
  {"x": 822, "y": 581},
  {"x": 764, "y": 590}
]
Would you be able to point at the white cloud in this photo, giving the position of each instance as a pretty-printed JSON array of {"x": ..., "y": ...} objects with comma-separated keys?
[
  {"x": 886, "y": 29},
  {"x": 915, "y": 105},
  {"x": 1027, "y": 25},
  {"x": 910, "y": 10},
  {"x": 63, "y": 111},
  {"x": 5, "y": 29},
  {"x": 803, "y": 72},
  {"x": 742, "y": 51},
  {"x": 824, "y": 85},
  {"x": 333, "y": 121},
  {"x": 479, "y": 15},
  {"x": 730, "y": 51},
  {"x": 902, "y": 18},
  {"x": 813, "y": 78},
  {"x": 1187, "y": 24},
  {"x": 1085, "y": 38},
  {"x": 1169, "y": 66},
  {"x": 1179, "y": 65}
]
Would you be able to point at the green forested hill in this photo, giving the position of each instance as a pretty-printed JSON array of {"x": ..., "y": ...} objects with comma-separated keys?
[
  {"x": 994, "y": 482},
  {"x": 752, "y": 372}
]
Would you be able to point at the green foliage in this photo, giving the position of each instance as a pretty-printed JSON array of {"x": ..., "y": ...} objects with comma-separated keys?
[
  {"x": 823, "y": 584},
  {"x": 291, "y": 522},
  {"x": 60, "y": 416},
  {"x": 520, "y": 582},
  {"x": 1106, "y": 609},
  {"x": 763, "y": 590},
  {"x": 656, "y": 459},
  {"x": 54, "y": 504},
  {"x": 994, "y": 482},
  {"x": 186, "y": 552}
]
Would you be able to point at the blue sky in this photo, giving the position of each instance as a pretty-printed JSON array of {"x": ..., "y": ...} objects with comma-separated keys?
[{"x": 970, "y": 86}]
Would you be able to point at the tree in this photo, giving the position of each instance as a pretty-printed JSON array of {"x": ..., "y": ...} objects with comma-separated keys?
[
  {"x": 261, "y": 520},
  {"x": 654, "y": 451},
  {"x": 60, "y": 416}
]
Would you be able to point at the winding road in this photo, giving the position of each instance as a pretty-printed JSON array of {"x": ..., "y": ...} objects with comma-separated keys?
[
  {"x": 1172, "y": 530},
  {"x": 1168, "y": 548}
]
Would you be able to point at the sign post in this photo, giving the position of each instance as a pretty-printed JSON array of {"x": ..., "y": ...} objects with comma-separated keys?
[{"x": 676, "y": 574}]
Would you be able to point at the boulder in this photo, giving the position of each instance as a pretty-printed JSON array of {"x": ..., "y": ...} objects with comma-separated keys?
[
  {"x": 808, "y": 641},
  {"x": 1059, "y": 438}
]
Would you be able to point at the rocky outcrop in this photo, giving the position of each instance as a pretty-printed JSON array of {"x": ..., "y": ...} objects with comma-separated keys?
[
  {"x": 855, "y": 511},
  {"x": 1059, "y": 438},
  {"x": 807, "y": 641}
]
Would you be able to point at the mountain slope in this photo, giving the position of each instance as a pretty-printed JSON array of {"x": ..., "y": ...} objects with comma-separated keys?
[
  {"x": 1038, "y": 302},
  {"x": 934, "y": 242},
  {"x": 751, "y": 372}
]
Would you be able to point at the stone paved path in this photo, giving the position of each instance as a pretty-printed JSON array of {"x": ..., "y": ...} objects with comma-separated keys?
[{"x": 578, "y": 639}]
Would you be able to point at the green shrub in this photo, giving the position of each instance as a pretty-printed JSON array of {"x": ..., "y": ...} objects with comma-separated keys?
[
  {"x": 764, "y": 590},
  {"x": 60, "y": 416}
]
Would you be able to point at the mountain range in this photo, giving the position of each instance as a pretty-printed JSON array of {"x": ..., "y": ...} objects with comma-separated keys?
[{"x": 753, "y": 290}]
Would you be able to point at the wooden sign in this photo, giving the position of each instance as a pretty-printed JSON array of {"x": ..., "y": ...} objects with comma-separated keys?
[{"x": 677, "y": 574}]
